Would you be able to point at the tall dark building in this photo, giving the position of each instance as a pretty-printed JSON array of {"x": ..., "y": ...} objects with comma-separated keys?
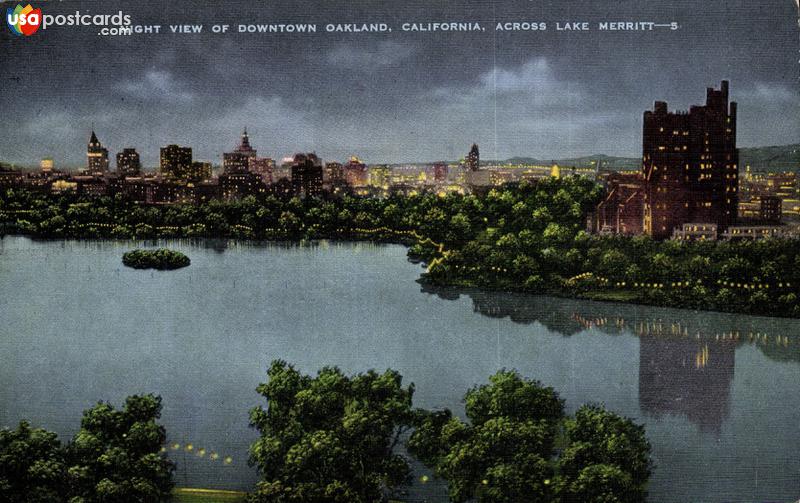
[
  {"x": 96, "y": 157},
  {"x": 307, "y": 175},
  {"x": 176, "y": 162},
  {"x": 690, "y": 164},
  {"x": 334, "y": 173},
  {"x": 473, "y": 158},
  {"x": 128, "y": 163}
]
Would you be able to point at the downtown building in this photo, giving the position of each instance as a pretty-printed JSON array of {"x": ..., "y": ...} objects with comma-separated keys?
[
  {"x": 239, "y": 178},
  {"x": 690, "y": 166},
  {"x": 688, "y": 186},
  {"x": 238, "y": 161},
  {"x": 175, "y": 162},
  {"x": 475, "y": 178},
  {"x": 96, "y": 157},
  {"x": 128, "y": 163},
  {"x": 307, "y": 175}
]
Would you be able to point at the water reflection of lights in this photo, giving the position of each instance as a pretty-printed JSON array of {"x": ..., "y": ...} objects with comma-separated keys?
[
  {"x": 701, "y": 358},
  {"x": 678, "y": 329}
]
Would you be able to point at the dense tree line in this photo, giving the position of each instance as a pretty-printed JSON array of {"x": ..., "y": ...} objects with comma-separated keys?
[
  {"x": 334, "y": 438},
  {"x": 114, "y": 457},
  {"x": 521, "y": 237},
  {"x": 331, "y": 438}
]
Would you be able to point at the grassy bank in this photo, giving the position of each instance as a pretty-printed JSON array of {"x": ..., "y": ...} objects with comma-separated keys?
[{"x": 192, "y": 495}]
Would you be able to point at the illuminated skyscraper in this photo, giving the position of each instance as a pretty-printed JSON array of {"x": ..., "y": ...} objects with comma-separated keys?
[
  {"x": 474, "y": 158},
  {"x": 128, "y": 163},
  {"x": 96, "y": 157},
  {"x": 334, "y": 173},
  {"x": 263, "y": 166},
  {"x": 176, "y": 162},
  {"x": 244, "y": 147},
  {"x": 238, "y": 161},
  {"x": 690, "y": 165}
]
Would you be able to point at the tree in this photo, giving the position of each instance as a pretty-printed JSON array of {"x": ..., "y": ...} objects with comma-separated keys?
[
  {"x": 600, "y": 484},
  {"x": 506, "y": 454},
  {"x": 115, "y": 456},
  {"x": 606, "y": 460},
  {"x": 32, "y": 466},
  {"x": 503, "y": 454},
  {"x": 329, "y": 438}
]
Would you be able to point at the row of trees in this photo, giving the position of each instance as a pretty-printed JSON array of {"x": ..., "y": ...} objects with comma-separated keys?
[
  {"x": 522, "y": 237},
  {"x": 334, "y": 438},
  {"x": 114, "y": 457}
]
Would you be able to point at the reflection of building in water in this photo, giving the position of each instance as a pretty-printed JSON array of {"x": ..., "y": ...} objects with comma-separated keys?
[
  {"x": 775, "y": 337},
  {"x": 686, "y": 376}
]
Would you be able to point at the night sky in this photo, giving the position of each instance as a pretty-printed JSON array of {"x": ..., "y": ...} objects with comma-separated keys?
[{"x": 392, "y": 97}]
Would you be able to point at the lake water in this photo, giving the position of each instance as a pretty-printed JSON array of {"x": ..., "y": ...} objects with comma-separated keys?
[{"x": 719, "y": 394}]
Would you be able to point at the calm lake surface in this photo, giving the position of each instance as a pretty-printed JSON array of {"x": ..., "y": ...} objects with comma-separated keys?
[{"x": 719, "y": 394}]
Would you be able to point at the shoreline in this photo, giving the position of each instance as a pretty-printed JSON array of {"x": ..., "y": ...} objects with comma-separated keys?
[{"x": 608, "y": 296}]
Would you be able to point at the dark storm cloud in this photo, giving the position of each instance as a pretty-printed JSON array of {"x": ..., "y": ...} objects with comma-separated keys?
[{"x": 392, "y": 96}]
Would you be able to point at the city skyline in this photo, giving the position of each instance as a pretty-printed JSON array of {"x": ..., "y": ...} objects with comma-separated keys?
[{"x": 395, "y": 97}]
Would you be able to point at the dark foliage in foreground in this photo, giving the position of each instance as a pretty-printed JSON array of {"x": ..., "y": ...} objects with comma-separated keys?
[
  {"x": 506, "y": 451},
  {"x": 115, "y": 456},
  {"x": 330, "y": 438}
]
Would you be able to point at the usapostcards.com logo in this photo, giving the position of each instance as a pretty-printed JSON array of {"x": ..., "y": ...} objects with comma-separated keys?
[{"x": 26, "y": 21}]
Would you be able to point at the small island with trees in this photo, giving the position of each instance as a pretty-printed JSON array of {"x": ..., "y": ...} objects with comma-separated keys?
[{"x": 161, "y": 259}]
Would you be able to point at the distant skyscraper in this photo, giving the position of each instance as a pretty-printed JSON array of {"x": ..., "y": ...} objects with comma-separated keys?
[
  {"x": 244, "y": 147},
  {"x": 690, "y": 165},
  {"x": 473, "y": 158},
  {"x": 200, "y": 170},
  {"x": 238, "y": 161},
  {"x": 96, "y": 157},
  {"x": 176, "y": 162},
  {"x": 263, "y": 166},
  {"x": 128, "y": 163},
  {"x": 307, "y": 175},
  {"x": 334, "y": 173}
]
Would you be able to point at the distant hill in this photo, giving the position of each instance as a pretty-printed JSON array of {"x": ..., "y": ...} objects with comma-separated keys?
[
  {"x": 778, "y": 158},
  {"x": 775, "y": 158},
  {"x": 604, "y": 161}
]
